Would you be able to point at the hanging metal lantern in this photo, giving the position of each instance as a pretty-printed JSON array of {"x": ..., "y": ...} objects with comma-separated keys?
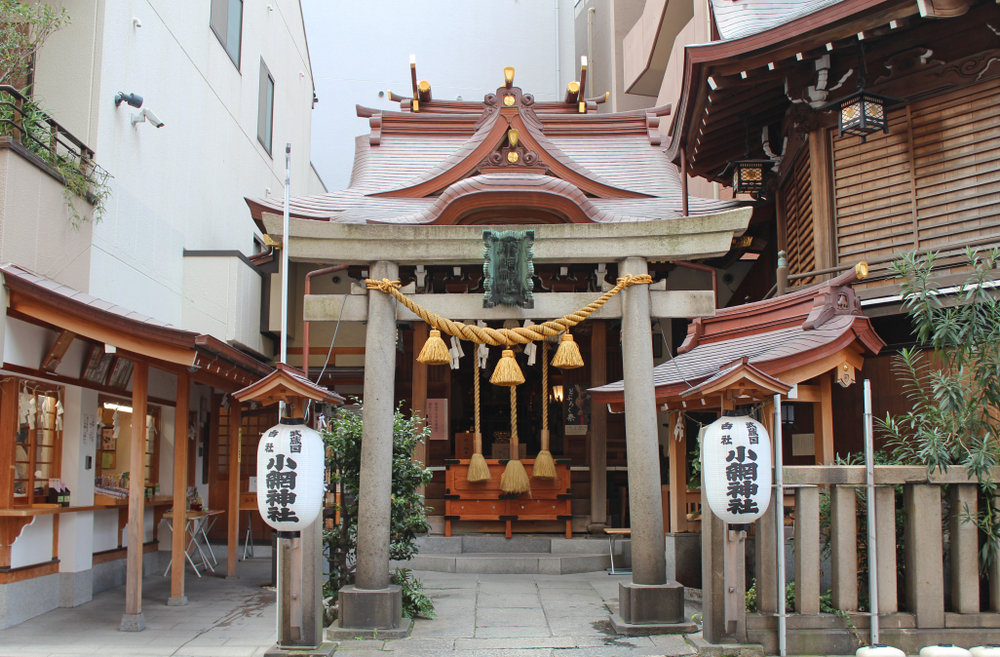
[
  {"x": 736, "y": 462},
  {"x": 750, "y": 176},
  {"x": 290, "y": 466},
  {"x": 861, "y": 114}
]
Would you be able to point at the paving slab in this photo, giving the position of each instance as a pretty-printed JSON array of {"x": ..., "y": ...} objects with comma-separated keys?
[{"x": 479, "y": 615}]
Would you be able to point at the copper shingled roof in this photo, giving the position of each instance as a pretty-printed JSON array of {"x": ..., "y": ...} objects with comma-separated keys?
[
  {"x": 411, "y": 161},
  {"x": 774, "y": 336}
]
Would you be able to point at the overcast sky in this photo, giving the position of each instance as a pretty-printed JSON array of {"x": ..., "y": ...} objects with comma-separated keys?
[{"x": 360, "y": 48}]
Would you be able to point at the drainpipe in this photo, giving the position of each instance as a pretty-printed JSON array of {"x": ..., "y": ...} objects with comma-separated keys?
[
  {"x": 590, "y": 49},
  {"x": 558, "y": 76},
  {"x": 305, "y": 324},
  {"x": 711, "y": 270}
]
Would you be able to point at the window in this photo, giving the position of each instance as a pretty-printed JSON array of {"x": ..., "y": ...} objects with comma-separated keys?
[
  {"x": 115, "y": 443},
  {"x": 265, "y": 107},
  {"x": 38, "y": 443},
  {"x": 227, "y": 23}
]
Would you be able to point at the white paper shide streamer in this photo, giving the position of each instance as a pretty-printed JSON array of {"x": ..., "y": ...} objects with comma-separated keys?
[
  {"x": 290, "y": 476},
  {"x": 736, "y": 460}
]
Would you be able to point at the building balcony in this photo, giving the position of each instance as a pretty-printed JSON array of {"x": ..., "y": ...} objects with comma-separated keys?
[{"x": 45, "y": 223}]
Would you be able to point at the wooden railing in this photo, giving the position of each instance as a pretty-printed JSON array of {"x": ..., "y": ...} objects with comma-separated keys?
[
  {"x": 930, "y": 589},
  {"x": 24, "y": 122}
]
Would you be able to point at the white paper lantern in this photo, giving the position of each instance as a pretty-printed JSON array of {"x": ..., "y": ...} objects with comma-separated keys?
[
  {"x": 290, "y": 465},
  {"x": 736, "y": 462}
]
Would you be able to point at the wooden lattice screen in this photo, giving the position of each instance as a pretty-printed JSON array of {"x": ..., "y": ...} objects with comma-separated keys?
[
  {"x": 931, "y": 184},
  {"x": 796, "y": 197}
]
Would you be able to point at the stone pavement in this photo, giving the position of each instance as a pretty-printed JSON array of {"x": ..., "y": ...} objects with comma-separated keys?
[
  {"x": 520, "y": 616},
  {"x": 478, "y": 616}
]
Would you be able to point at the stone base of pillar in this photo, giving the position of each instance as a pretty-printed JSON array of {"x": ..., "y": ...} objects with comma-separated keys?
[
  {"x": 362, "y": 609},
  {"x": 597, "y": 528},
  {"x": 133, "y": 623},
  {"x": 644, "y": 604},
  {"x": 177, "y": 602},
  {"x": 325, "y": 649},
  {"x": 684, "y": 558},
  {"x": 337, "y": 633},
  {"x": 649, "y": 629},
  {"x": 706, "y": 649}
]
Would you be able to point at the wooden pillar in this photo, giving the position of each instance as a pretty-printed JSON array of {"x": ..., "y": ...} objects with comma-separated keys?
[
  {"x": 133, "y": 620},
  {"x": 235, "y": 456},
  {"x": 678, "y": 478},
  {"x": 821, "y": 166},
  {"x": 598, "y": 429},
  {"x": 823, "y": 421},
  {"x": 8, "y": 436},
  {"x": 419, "y": 394},
  {"x": 178, "y": 539}
]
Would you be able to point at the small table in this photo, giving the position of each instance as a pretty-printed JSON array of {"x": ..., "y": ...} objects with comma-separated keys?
[
  {"x": 613, "y": 534},
  {"x": 199, "y": 523}
]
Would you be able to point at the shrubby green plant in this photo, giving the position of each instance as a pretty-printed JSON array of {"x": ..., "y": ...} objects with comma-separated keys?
[
  {"x": 408, "y": 516},
  {"x": 954, "y": 386},
  {"x": 24, "y": 27}
]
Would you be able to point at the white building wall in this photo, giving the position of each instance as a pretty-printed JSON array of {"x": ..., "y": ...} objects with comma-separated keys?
[{"x": 181, "y": 186}]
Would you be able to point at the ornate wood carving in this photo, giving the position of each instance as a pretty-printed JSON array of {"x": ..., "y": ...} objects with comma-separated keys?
[
  {"x": 929, "y": 81},
  {"x": 908, "y": 62}
]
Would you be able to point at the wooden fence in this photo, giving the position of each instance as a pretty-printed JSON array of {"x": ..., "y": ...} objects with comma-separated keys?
[{"x": 930, "y": 589}]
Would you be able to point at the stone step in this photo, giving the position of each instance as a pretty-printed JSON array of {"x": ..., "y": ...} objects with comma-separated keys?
[
  {"x": 519, "y": 543},
  {"x": 533, "y": 563}
]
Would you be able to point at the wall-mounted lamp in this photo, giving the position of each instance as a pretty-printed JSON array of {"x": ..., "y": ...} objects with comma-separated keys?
[
  {"x": 146, "y": 114},
  {"x": 557, "y": 393},
  {"x": 134, "y": 100}
]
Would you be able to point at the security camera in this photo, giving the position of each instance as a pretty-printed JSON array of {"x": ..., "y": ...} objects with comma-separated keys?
[
  {"x": 134, "y": 100},
  {"x": 144, "y": 115}
]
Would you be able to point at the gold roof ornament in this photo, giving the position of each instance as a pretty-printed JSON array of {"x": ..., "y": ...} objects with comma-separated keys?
[
  {"x": 513, "y": 136},
  {"x": 508, "y": 76}
]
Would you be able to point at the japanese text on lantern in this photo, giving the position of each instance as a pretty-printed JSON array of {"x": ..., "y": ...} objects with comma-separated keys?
[
  {"x": 741, "y": 478},
  {"x": 280, "y": 482}
]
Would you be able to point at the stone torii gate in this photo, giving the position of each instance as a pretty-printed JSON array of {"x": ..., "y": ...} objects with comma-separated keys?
[{"x": 372, "y": 602}]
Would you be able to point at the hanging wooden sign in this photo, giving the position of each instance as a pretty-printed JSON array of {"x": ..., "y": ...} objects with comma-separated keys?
[
  {"x": 508, "y": 268},
  {"x": 437, "y": 418}
]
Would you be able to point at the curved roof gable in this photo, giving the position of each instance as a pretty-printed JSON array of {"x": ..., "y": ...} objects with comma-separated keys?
[{"x": 508, "y": 109}]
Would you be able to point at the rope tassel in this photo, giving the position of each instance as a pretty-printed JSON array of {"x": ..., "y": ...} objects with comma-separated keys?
[
  {"x": 435, "y": 351},
  {"x": 568, "y": 355},
  {"x": 545, "y": 467},
  {"x": 507, "y": 372},
  {"x": 478, "y": 469},
  {"x": 514, "y": 478}
]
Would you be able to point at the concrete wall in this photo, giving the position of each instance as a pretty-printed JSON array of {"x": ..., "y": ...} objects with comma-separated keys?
[
  {"x": 35, "y": 227},
  {"x": 612, "y": 20},
  {"x": 180, "y": 186},
  {"x": 229, "y": 308}
]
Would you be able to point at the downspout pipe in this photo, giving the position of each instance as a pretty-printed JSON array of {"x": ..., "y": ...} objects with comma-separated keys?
[
  {"x": 305, "y": 324},
  {"x": 710, "y": 270}
]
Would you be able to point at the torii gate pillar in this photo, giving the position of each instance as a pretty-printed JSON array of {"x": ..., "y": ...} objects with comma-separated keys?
[{"x": 649, "y": 598}]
